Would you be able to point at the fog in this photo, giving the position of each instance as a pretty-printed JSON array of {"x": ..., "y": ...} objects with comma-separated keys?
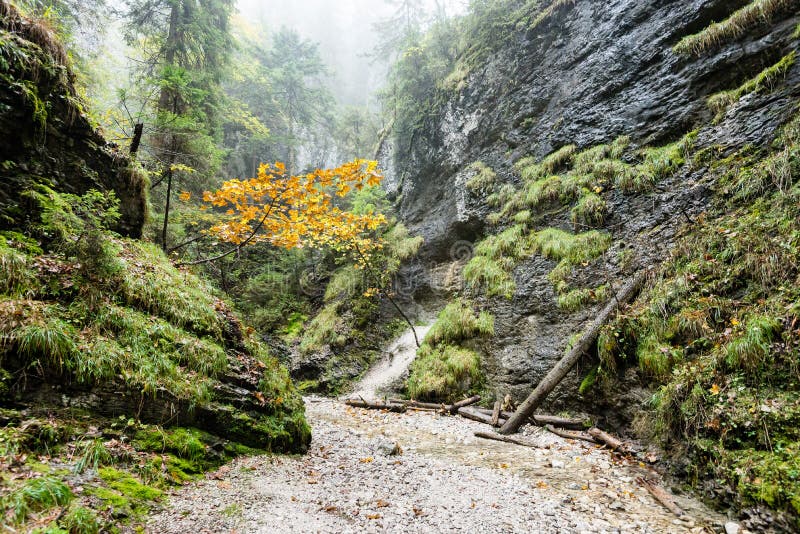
[{"x": 345, "y": 30}]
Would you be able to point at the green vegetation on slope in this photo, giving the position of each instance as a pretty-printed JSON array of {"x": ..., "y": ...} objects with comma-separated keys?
[
  {"x": 447, "y": 365},
  {"x": 766, "y": 80},
  {"x": 90, "y": 310},
  {"x": 736, "y": 25},
  {"x": 717, "y": 334}
]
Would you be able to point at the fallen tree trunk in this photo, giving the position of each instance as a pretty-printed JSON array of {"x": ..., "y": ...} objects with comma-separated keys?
[
  {"x": 661, "y": 496},
  {"x": 557, "y": 373},
  {"x": 569, "y": 435},
  {"x": 544, "y": 420},
  {"x": 475, "y": 399},
  {"x": 505, "y": 439},
  {"x": 397, "y": 408},
  {"x": 607, "y": 439},
  {"x": 417, "y": 404},
  {"x": 475, "y": 415}
]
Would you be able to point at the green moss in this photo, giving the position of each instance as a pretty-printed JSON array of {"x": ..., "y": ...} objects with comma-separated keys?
[
  {"x": 766, "y": 80},
  {"x": 188, "y": 443},
  {"x": 733, "y": 27},
  {"x": 589, "y": 381},
  {"x": 109, "y": 498},
  {"x": 711, "y": 333},
  {"x": 548, "y": 12},
  {"x": 128, "y": 486}
]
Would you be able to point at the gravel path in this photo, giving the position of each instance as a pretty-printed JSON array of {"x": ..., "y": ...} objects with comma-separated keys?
[{"x": 443, "y": 480}]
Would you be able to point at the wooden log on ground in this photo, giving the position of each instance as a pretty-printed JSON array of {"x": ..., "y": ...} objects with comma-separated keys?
[
  {"x": 605, "y": 438},
  {"x": 570, "y": 435},
  {"x": 475, "y": 415},
  {"x": 559, "y": 422},
  {"x": 361, "y": 403},
  {"x": 496, "y": 413},
  {"x": 505, "y": 439},
  {"x": 475, "y": 399},
  {"x": 664, "y": 498},
  {"x": 417, "y": 404},
  {"x": 557, "y": 373},
  {"x": 543, "y": 420}
]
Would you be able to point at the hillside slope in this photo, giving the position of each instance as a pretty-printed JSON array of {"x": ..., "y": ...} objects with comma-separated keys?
[
  {"x": 574, "y": 144},
  {"x": 120, "y": 375}
]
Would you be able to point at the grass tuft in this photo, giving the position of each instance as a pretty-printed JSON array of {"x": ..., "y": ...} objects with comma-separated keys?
[
  {"x": 559, "y": 245},
  {"x": 483, "y": 180},
  {"x": 736, "y": 25},
  {"x": 458, "y": 322},
  {"x": 766, "y": 80},
  {"x": 749, "y": 351},
  {"x": 443, "y": 373},
  {"x": 93, "y": 454},
  {"x": 81, "y": 520},
  {"x": 578, "y": 298},
  {"x": 559, "y": 159},
  {"x": 35, "y": 495},
  {"x": 589, "y": 212}
]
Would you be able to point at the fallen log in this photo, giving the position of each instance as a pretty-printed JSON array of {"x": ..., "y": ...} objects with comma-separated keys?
[
  {"x": 475, "y": 399},
  {"x": 557, "y": 373},
  {"x": 543, "y": 420},
  {"x": 397, "y": 408},
  {"x": 417, "y": 404},
  {"x": 505, "y": 439},
  {"x": 496, "y": 413},
  {"x": 560, "y": 422},
  {"x": 664, "y": 498},
  {"x": 570, "y": 435},
  {"x": 475, "y": 415},
  {"x": 605, "y": 438}
]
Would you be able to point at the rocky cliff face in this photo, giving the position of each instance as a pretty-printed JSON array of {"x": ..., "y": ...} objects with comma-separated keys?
[
  {"x": 45, "y": 137},
  {"x": 592, "y": 71}
]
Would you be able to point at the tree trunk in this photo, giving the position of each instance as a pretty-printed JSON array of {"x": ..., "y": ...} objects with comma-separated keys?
[
  {"x": 557, "y": 374},
  {"x": 397, "y": 408},
  {"x": 569, "y": 435},
  {"x": 464, "y": 403},
  {"x": 505, "y": 439},
  {"x": 474, "y": 415},
  {"x": 607, "y": 439},
  {"x": 164, "y": 246}
]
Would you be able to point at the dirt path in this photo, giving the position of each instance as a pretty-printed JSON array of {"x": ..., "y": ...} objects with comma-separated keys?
[
  {"x": 392, "y": 366},
  {"x": 445, "y": 480}
]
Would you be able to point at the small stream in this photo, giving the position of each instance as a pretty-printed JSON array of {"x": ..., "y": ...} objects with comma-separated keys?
[{"x": 393, "y": 364}]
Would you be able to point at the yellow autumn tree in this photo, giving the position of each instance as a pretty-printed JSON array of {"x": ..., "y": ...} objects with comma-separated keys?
[
  {"x": 299, "y": 211},
  {"x": 290, "y": 211}
]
